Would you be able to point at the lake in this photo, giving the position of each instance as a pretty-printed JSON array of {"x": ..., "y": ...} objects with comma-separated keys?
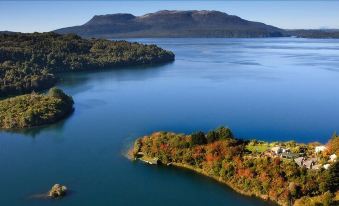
[{"x": 270, "y": 89}]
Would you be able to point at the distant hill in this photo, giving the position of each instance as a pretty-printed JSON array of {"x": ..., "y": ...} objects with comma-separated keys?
[
  {"x": 314, "y": 33},
  {"x": 7, "y": 32},
  {"x": 173, "y": 24}
]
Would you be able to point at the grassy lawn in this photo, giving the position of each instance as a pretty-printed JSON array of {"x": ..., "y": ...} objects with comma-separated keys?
[{"x": 257, "y": 148}]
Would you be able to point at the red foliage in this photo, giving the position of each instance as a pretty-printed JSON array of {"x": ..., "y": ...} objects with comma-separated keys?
[
  {"x": 277, "y": 161},
  {"x": 163, "y": 146}
]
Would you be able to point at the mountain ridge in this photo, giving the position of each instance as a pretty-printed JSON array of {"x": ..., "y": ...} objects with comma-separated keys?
[{"x": 173, "y": 23}]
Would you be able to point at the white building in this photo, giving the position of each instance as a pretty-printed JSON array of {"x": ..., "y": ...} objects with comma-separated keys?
[
  {"x": 320, "y": 148},
  {"x": 285, "y": 150},
  {"x": 277, "y": 150},
  {"x": 333, "y": 158},
  {"x": 326, "y": 166}
]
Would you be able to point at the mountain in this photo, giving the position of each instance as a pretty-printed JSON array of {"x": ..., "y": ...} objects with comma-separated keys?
[{"x": 167, "y": 23}]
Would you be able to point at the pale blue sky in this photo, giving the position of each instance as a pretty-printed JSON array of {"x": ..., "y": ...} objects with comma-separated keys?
[{"x": 30, "y": 16}]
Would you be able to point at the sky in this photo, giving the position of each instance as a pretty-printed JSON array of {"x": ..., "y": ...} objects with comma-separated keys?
[{"x": 42, "y": 16}]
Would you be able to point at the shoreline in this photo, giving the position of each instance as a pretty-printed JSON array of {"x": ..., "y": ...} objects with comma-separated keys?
[
  {"x": 230, "y": 185},
  {"x": 219, "y": 180}
]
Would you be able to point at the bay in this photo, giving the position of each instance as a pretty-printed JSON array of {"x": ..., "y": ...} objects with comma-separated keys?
[{"x": 270, "y": 89}]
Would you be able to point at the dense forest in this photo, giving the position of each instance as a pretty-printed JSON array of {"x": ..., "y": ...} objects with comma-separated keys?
[
  {"x": 34, "y": 109},
  {"x": 249, "y": 171},
  {"x": 31, "y": 62}
]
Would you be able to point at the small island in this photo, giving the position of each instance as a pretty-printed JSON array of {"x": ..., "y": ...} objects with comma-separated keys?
[
  {"x": 33, "y": 109},
  {"x": 57, "y": 191},
  {"x": 287, "y": 173},
  {"x": 33, "y": 62}
]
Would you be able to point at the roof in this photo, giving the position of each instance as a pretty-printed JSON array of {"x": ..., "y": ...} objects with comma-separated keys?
[
  {"x": 289, "y": 155},
  {"x": 275, "y": 148},
  {"x": 298, "y": 161},
  {"x": 307, "y": 163}
]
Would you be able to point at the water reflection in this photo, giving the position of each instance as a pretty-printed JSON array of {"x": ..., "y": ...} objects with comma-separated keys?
[{"x": 36, "y": 131}]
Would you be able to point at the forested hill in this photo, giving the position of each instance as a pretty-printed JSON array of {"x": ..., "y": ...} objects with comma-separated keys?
[
  {"x": 31, "y": 61},
  {"x": 173, "y": 24}
]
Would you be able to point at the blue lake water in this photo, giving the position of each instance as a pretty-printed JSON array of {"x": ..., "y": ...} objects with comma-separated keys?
[{"x": 271, "y": 89}]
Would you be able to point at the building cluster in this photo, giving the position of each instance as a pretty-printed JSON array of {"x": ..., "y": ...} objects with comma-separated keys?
[{"x": 309, "y": 162}]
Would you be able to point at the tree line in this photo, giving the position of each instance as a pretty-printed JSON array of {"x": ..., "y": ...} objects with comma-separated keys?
[{"x": 31, "y": 62}]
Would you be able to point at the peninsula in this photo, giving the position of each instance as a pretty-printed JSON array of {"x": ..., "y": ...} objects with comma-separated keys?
[
  {"x": 33, "y": 62},
  {"x": 284, "y": 172}
]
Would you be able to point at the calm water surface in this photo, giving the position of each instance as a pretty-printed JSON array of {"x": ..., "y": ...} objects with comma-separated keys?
[{"x": 272, "y": 89}]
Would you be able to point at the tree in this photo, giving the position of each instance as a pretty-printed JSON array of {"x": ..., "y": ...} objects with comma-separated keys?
[
  {"x": 211, "y": 136},
  {"x": 59, "y": 94},
  {"x": 224, "y": 133},
  {"x": 333, "y": 181},
  {"x": 294, "y": 189},
  {"x": 333, "y": 144},
  {"x": 198, "y": 138}
]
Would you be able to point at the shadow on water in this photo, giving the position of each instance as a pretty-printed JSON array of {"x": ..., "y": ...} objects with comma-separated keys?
[
  {"x": 76, "y": 82},
  {"x": 118, "y": 70},
  {"x": 44, "y": 196},
  {"x": 35, "y": 131},
  {"x": 211, "y": 185},
  {"x": 79, "y": 81}
]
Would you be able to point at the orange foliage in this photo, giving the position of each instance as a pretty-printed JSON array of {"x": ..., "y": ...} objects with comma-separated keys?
[
  {"x": 263, "y": 177},
  {"x": 197, "y": 152},
  {"x": 333, "y": 145},
  {"x": 238, "y": 162},
  {"x": 278, "y": 182},
  {"x": 245, "y": 173},
  {"x": 272, "y": 194},
  {"x": 209, "y": 158}
]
